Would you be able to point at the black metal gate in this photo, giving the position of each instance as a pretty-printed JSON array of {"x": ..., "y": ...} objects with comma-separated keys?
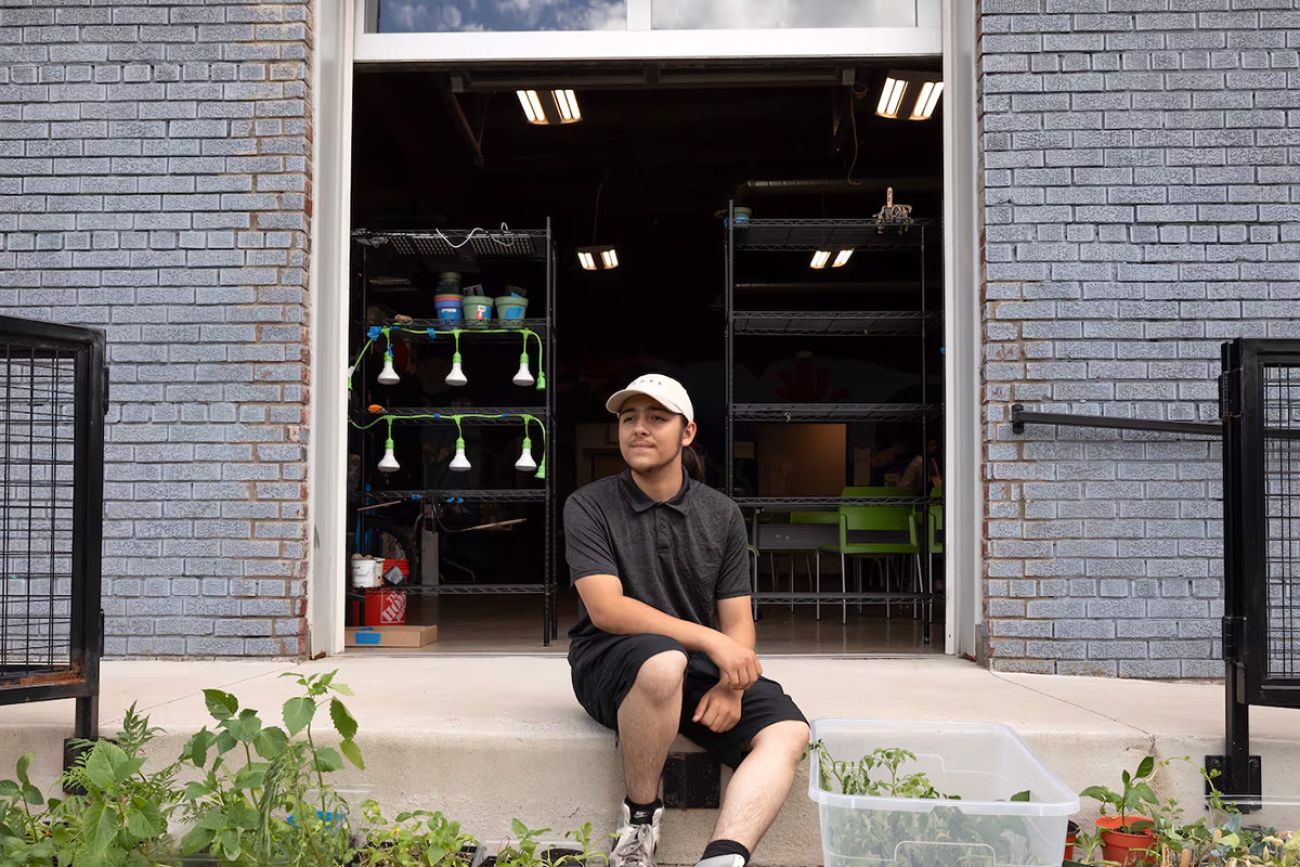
[
  {"x": 1260, "y": 407},
  {"x": 53, "y": 386}
]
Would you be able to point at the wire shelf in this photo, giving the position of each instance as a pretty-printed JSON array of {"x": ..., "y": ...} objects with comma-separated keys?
[
  {"x": 496, "y": 415},
  {"x": 864, "y": 235},
  {"x": 794, "y": 504},
  {"x": 479, "y": 495},
  {"x": 491, "y": 244},
  {"x": 874, "y": 598},
  {"x": 476, "y": 589},
  {"x": 791, "y": 412},
  {"x": 845, "y": 323},
  {"x": 507, "y": 329}
]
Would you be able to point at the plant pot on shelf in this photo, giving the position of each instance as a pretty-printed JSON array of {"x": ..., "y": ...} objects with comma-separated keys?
[
  {"x": 476, "y": 308},
  {"x": 1127, "y": 848},
  {"x": 743, "y": 215},
  {"x": 448, "y": 306},
  {"x": 1071, "y": 835},
  {"x": 511, "y": 308}
]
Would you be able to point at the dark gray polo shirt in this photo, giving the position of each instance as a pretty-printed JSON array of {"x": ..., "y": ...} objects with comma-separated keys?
[{"x": 680, "y": 556}]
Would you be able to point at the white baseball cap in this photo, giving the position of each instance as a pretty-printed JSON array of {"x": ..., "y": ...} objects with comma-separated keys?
[{"x": 668, "y": 391}]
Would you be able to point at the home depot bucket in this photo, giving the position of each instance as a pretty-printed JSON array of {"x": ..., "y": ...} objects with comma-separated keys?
[
  {"x": 385, "y": 607},
  {"x": 448, "y": 306},
  {"x": 511, "y": 307},
  {"x": 476, "y": 308}
]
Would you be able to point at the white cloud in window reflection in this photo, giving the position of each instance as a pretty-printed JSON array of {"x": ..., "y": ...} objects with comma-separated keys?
[
  {"x": 757, "y": 14},
  {"x": 423, "y": 16}
]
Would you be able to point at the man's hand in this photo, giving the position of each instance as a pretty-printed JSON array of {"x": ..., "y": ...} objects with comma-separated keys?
[
  {"x": 719, "y": 709},
  {"x": 739, "y": 664}
]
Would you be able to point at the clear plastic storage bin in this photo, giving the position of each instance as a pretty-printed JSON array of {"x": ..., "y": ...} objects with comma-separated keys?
[{"x": 983, "y": 764}]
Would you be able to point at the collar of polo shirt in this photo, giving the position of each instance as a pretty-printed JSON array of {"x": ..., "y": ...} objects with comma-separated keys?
[{"x": 641, "y": 502}]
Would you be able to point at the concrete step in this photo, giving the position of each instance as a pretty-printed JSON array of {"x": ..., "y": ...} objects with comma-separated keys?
[{"x": 488, "y": 739}]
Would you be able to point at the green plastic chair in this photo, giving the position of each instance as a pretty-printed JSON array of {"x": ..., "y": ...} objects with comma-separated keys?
[
  {"x": 872, "y": 518},
  {"x": 934, "y": 541}
]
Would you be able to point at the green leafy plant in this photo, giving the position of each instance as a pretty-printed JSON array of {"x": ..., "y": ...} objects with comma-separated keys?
[
  {"x": 526, "y": 850},
  {"x": 118, "y": 819},
  {"x": 416, "y": 838},
  {"x": 1135, "y": 794},
  {"x": 1219, "y": 839},
  {"x": 122, "y": 817},
  {"x": 875, "y": 774},
  {"x": 276, "y": 807},
  {"x": 588, "y": 854},
  {"x": 26, "y": 835}
]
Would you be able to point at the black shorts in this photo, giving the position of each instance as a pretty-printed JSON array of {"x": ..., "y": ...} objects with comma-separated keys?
[{"x": 604, "y": 668}]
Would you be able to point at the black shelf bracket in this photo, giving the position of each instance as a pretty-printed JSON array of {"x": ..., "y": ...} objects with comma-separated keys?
[{"x": 1021, "y": 417}]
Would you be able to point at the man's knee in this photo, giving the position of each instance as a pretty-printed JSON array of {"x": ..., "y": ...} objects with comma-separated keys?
[
  {"x": 661, "y": 676},
  {"x": 788, "y": 736}
]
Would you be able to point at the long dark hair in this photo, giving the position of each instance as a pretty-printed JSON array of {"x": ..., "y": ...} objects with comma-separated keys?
[{"x": 693, "y": 461}]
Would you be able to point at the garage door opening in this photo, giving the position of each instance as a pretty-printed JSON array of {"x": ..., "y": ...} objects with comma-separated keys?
[{"x": 835, "y": 387}]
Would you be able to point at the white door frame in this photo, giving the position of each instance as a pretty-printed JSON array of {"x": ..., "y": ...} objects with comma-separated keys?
[
  {"x": 640, "y": 42},
  {"x": 342, "y": 43}
]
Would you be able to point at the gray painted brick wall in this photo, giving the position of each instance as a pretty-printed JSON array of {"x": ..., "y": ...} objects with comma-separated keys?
[
  {"x": 154, "y": 182},
  {"x": 1141, "y": 172}
]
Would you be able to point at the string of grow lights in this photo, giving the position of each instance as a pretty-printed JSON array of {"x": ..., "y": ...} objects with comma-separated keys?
[
  {"x": 389, "y": 376},
  {"x": 388, "y": 463}
]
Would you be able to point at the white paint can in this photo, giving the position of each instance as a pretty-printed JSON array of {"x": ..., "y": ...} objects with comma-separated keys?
[{"x": 365, "y": 572}]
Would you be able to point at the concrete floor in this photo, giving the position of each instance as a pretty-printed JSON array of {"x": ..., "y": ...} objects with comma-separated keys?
[
  {"x": 513, "y": 624},
  {"x": 490, "y": 738}
]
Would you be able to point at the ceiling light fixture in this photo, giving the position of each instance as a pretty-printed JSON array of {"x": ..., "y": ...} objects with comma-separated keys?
[
  {"x": 900, "y": 84},
  {"x": 555, "y": 108},
  {"x": 598, "y": 257},
  {"x": 822, "y": 258}
]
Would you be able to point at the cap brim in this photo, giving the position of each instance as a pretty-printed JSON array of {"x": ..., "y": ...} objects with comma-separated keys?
[{"x": 618, "y": 398}]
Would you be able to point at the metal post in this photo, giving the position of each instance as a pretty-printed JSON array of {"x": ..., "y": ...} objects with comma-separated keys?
[
  {"x": 1235, "y": 765},
  {"x": 925, "y": 443},
  {"x": 728, "y": 301},
  {"x": 550, "y": 618}
]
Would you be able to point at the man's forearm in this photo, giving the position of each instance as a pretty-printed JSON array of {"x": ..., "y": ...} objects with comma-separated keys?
[
  {"x": 629, "y": 617},
  {"x": 742, "y": 633}
]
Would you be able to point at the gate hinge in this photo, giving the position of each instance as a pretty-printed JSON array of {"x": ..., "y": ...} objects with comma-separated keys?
[
  {"x": 1233, "y": 637},
  {"x": 105, "y": 389},
  {"x": 1230, "y": 393}
]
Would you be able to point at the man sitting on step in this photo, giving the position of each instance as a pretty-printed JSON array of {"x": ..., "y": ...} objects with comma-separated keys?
[{"x": 665, "y": 636}]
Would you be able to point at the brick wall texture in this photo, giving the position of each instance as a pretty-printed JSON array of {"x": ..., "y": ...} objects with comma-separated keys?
[
  {"x": 1141, "y": 172},
  {"x": 154, "y": 182}
]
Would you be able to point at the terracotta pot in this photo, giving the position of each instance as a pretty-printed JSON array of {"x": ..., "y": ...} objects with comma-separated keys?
[
  {"x": 1071, "y": 835},
  {"x": 1125, "y": 848}
]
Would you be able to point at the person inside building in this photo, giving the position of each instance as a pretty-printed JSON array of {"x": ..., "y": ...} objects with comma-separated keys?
[
  {"x": 664, "y": 641},
  {"x": 922, "y": 469}
]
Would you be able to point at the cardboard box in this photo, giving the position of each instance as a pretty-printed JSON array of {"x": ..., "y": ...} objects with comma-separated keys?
[{"x": 390, "y": 636}]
